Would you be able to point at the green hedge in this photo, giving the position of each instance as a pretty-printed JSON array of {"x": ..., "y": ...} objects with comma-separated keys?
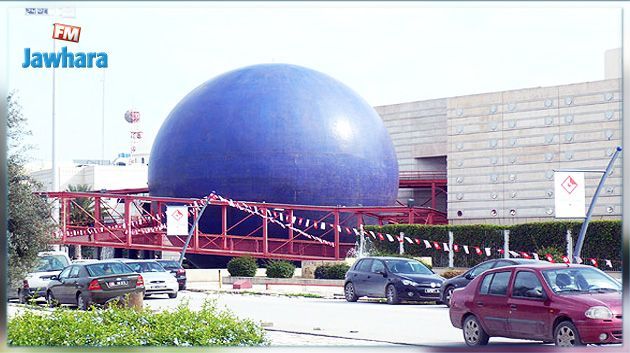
[
  {"x": 128, "y": 327},
  {"x": 280, "y": 269},
  {"x": 337, "y": 271},
  {"x": 603, "y": 240},
  {"x": 242, "y": 267}
]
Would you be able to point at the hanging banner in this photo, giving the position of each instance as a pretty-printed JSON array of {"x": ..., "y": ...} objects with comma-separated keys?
[
  {"x": 569, "y": 195},
  {"x": 176, "y": 220}
]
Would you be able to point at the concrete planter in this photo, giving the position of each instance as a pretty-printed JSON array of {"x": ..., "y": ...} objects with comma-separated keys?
[{"x": 287, "y": 281}]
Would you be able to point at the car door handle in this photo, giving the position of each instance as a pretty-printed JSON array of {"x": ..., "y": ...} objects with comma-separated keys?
[
  {"x": 369, "y": 277},
  {"x": 479, "y": 304},
  {"x": 513, "y": 306}
]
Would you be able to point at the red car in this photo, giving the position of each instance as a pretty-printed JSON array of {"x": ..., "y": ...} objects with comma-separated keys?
[{"x": 569, "y": 305}]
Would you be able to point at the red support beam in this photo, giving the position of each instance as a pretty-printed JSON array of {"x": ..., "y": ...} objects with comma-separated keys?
[
  {"x": 291, "y": 235},
  {"x": 265, "y": 245},
  {"x": 224, "y": 225},
  {"x": 336, "y": 235},
  {"x": 433, "y": 203},
  {"x": 127, "y": 216}
]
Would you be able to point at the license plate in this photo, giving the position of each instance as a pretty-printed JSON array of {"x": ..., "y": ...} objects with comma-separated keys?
[
  {"x": 432, "y": 290},
  {"x": 118, "y": 283},
  {"x": 159, "y": 287}
]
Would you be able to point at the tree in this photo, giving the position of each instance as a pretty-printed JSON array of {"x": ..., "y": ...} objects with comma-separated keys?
[
  {"x": 29, "y": 221},
  {"x": 82, "y": 208}
]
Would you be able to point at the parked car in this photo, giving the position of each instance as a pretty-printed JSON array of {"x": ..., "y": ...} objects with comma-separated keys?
[
  {"x": 569, "y": 305},
  {"x": 157, "y": 280},
  {"x": 462, "y": 280},
  {"x": 90, "y": 283},
  {"x": 49, "y": 263},
  {"x": 176, "y": 270},
  {"x": 394, "y": 278}
]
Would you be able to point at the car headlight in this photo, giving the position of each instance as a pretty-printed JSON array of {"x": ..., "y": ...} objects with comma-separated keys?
[
  {"x": 599, "y": 312},
  {"x": 408, "y": 282}
]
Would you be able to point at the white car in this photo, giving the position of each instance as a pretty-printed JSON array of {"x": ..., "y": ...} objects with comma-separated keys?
[
  {"x": 157, "y": 280},
  {"x": 50, "y": 263}
]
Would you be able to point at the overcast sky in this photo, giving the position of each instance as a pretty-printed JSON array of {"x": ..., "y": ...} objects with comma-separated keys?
[{"x": 388, "y": 53}]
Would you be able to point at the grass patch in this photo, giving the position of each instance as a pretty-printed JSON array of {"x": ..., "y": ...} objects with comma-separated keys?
[{"x": 128, "y": 327}]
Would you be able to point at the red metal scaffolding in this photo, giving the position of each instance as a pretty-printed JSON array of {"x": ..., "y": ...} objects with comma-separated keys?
[{"x": 121, "y": 220}]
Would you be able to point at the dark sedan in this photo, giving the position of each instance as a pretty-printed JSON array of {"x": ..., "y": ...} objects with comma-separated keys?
[
  {"x": 177, "y": 270},
  {"x": 394, "y": 278},
  {"x": 569, "y": 305},
  {"x": 85, "y": 284},
  {"x": 462, "y": 280}
]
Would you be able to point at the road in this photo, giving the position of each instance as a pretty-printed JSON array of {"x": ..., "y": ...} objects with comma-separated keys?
[{"x": 299, "y": 321}]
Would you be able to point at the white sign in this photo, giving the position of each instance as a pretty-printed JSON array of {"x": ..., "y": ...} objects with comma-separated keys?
[
  {"x": 176, "y": 220},
  {"x": 569, "y": 192}
]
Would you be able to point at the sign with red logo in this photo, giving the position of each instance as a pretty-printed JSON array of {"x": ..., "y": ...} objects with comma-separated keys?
[
  {"x": 569, "y": 195},
  {"x": 176, "y": 220},
  {"x": 69, "y": 33}
]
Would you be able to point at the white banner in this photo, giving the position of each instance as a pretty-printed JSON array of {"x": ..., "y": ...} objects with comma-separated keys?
[
  {"x": 176, "y": 220},
  {"x": 569, "y": 194}
]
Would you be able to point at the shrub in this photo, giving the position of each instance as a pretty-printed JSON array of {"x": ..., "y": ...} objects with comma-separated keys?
[
  {"x": 450, "y": 273},
  {"x": 280, "y": 269},
  {"x": 337, "y": 271},
  {"x": 242, "y": 267},
  {"x": 603, "y": 240},
  {"x": 127, "y": 327}
]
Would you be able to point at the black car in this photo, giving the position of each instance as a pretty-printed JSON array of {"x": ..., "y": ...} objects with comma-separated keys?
[
  {"x": 394, "y": 278},
  {"x": 462, "y": 280},
  {"x": 178, "y": 271},
  {"x": 85, "y": 284}
]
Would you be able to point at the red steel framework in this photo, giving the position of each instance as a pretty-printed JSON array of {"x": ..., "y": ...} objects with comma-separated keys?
[
  {"x": 417, "y": 179},
  {"x": 120, "y": 219}
]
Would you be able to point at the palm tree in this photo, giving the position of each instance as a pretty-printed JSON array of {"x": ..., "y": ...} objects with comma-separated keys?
[{"x": 82, "y": 208}]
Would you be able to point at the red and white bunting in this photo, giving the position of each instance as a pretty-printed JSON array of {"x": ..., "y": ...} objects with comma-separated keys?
[
  {"x": 455, "y": 247},
  {"x": 426, "y": 244},
  {"x": 609, "y": 263},
  {"x": 409, "y": 240},
  {"x": 445, "y": 247},
  {"x": 477, "y": 250},
  {"x": 565, "y": 259},
  {"x": 488, "y": 252},
  {"x": 466, "y": 249},
  {"x": 436, "y": 245},
  {"x": 549, "y": 258},
  {"x": 594, "y": 262}
]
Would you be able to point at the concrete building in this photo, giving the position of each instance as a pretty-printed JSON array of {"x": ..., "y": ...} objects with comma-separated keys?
[{"x": 499, "y": 150}]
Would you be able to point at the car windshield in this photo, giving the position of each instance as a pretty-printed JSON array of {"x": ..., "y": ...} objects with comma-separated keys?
[
  {"x": 51, "y": 263},
  {"x": 580, "y": 280},
  {"x": 107, "y": 268},
  {"x": 169, "y": 264},
  {"x": 143, "y": 267},
  {"x": 407, "y": 267}
]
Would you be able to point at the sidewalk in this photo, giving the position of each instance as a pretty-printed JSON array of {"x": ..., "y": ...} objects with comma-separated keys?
[{"x": 323, "y": 292}]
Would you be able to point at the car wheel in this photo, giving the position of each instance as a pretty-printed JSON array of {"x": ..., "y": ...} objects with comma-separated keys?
[
  {"x": 392, "y": 295},
  {"x": 50, "y": 299},
  {"x": 349, "y": 292},
  {"x": 474, "y": 334},
  {"x": 566, "y": 335},
  {"x": 172, "y": 295},
  {"x": 82, "y": 302},
  {"x": 448, "y": 294}
]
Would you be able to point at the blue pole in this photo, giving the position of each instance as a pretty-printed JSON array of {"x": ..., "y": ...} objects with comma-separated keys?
[
  {"x": 192, "y": 230},
  {"x": 580, "y": 241}
]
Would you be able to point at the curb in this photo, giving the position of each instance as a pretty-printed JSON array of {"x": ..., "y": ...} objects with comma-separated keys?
[{"x": 245, "y": 292}]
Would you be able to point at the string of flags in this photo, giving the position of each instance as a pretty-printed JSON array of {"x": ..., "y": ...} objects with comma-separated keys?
[{"x": 292, "y": 222}]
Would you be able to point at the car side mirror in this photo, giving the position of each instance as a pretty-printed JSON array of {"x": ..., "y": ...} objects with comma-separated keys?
[
  {"x": 383, "y": 273},
  {"x": 469, "y": 276},
  {"x": 535, "y": 293},
  {"x": 54, "y": 278}
]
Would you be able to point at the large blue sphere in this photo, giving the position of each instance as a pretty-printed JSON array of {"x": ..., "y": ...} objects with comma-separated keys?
[{"x": 276, "y": 133}]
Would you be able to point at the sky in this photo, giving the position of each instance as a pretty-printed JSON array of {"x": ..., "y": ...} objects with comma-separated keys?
[{"x": 387, "y": 52}]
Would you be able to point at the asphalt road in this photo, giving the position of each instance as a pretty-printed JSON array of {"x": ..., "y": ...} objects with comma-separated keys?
[{"x": 308, "y": 321}]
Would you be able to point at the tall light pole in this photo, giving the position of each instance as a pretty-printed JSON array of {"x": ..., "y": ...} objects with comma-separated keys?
[{"x": 103, "y": 120}]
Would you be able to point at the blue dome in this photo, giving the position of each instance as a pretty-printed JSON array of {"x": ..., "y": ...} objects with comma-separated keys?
[{"x": 275, "y": 133}]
